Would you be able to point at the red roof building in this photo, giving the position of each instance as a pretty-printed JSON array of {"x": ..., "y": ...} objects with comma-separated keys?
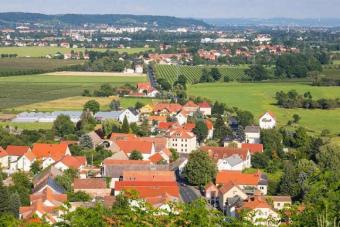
[
  {"x": 253, "y": 148},
  {"x": 55, "y": 151},
  {"x": 149, "y": 175},
  {"x": 167, "y": 108},
  {"x": 13, "y": 150},
  {"x": 147, "y": 189}
]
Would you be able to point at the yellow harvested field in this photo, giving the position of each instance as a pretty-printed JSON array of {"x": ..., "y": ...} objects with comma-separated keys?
[
  {"x": 94, "y": 74},
  {"x": 70, "y": 103}
]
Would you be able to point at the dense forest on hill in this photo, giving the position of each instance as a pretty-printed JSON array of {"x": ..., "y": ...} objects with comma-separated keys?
[{"x": 112, "y": 19}]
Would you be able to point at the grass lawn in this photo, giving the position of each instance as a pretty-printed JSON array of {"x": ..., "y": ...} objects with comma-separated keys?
[
  {"x": 259, "y": 97},
  {"x": 24, "y": 90},
  {"x": 77, "y": 103},
  {"x": 43, "y": 51},
  {"x": 28, "y": 126}
]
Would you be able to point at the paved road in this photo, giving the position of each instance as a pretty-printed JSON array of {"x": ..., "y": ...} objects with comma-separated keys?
[{"x": 188, "y": 193}]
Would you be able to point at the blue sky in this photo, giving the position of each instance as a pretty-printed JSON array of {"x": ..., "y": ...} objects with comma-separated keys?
[{"x": 183, "y": 8}]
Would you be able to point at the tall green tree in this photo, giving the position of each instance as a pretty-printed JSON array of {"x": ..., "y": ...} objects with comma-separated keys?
[
  {"x": 257, "y": 73},
  {"x": 200, "y": 169},
  {"x": 85, "y": 141},
  {"x": 245, "y": 118},
  {"x": 63, "y": 126},
  {"x": 4, "y": 198},
  {"x": 14, "y": 204},
  {"x": 201, "y": 131},
  {"x": 215, "y": 73},
  {"x": 125, "y": 126},
  {"x": 92, "y": 105}
]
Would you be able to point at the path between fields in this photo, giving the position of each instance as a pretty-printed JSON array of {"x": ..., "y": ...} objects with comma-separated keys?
[{"x": 73, "y": 73}]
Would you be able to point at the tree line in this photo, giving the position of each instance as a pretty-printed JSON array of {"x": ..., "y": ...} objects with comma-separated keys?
[{"x": 292, "y": 99}]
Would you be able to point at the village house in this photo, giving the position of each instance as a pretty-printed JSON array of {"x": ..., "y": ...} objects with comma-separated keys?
[
  {"x": 114, "y": 168},
  {"x": 248, "y": 182},
  {"x": 181, "y": 140},
  {"x": 149, "y": 175},
  {"x": 267, "y": 121},
  {"x": 44, "y": 205},
  {"x": 156, "y": 193},
  {"x": 226, "y": 158},
  {"x": 279, "y": 202},
  {"x": 228, "y": 193},
  {"x": 252, "y": 134},
  {"x": 253, "y": 148},
  {"x": 146, "y": 148},
  {"x": 71, "y": 162},
  {"x": 205, "y": 108},
  {"x": 260, "y": 211},
  {"x": 190, "y": 106},
  {"x": 24, "y": 162},
  {"x": 14, "y": 154},
  {"x": 50, "y": 153},
  {"x": 167, "y": 109},
  {"x": 3, "y": 158},
  {"x": 146, "y": 90},
  {"x": 95, "y": 187}
]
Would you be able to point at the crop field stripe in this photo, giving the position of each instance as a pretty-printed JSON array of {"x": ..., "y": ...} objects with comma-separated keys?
[{"x": 193, "y": 73}]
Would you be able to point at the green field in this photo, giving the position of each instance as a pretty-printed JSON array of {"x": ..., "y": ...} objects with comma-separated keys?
[
  {"x": 259, "y": 97},
  {"x": 193, "y": 73},
  {"x": 10, "y": 66},
  {"x": 43, "y": 51},
  {"x": 23, "y": 90}
]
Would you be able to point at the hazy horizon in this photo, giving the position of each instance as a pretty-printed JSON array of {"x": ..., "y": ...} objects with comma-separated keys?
[{"x": 213, "y": 9}]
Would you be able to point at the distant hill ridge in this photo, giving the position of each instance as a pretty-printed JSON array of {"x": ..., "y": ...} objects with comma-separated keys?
[{"x": 12, "y": 18}]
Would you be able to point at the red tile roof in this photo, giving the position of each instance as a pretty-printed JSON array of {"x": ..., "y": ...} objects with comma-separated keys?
[
  {"x": 13, "y": 150},
  {"x": 238, "y": 178},
  {"x": 128, "y": 146},
  {"x": 55, "y": 151},
  {"x": 122, "y": 136},
  {"x": 224, "y": 152},
  {"x": 157, "y": 118},
  {"x": 257, "y": 202},
  {"x": 90, "y": 183},
  {"x": 253, "y": 148},
  {"x": 73, "y": 162},
  {"x": 30, "y": 155},
  {"x": 149, "y": 189},
  {"x": 156, "y": 158},
  {"x": 149, "y": 175},
  {"x": 3, "y": 152},
  {"x": 159, "y": 142},
  {"x": 170, "y": 107},
  {"x": 180, "y": 133},
  {"x": 204, "y": 105},
  {"x": 270, "y": 113},
  {"x": 189, "y": 126},
  {"x": 109, "y": 161},
  {"x": 190, "y": 104},
  {"x": 144, "y": 86},
  {"x": 166, "y": 125},
  {"x": 50, "y": 195}
]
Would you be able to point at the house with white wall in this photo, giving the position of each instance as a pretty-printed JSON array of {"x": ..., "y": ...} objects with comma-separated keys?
[
  {"x": 24, "y": 162},
  {"x": 181, "y": 140},
  {"x": 267, "y": 121},
  {"x": 252, "y": 134}
]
